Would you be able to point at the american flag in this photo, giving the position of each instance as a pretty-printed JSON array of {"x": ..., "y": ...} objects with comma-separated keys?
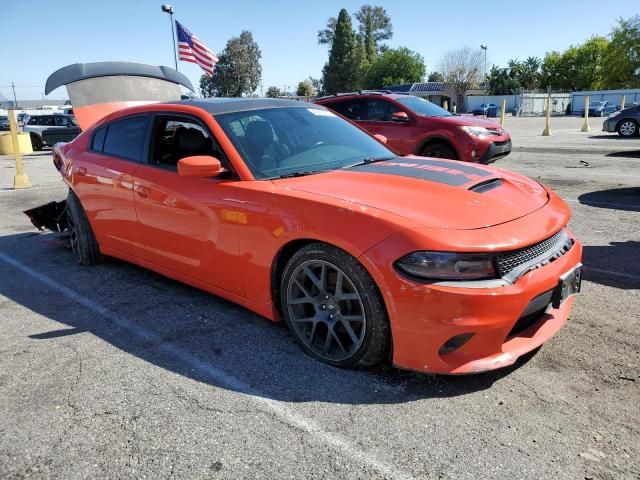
[{"x": 193, "y": 50}]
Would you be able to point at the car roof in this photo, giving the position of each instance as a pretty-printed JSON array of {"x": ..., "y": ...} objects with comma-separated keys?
[
  {"x": 218, "y": 106},
  {"x": 345, "y": 96}
]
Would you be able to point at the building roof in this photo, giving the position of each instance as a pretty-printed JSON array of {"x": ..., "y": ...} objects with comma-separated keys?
[{"x": 218, "y": 106}]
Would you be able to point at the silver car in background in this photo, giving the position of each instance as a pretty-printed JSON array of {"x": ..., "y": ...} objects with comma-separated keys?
[{"x": 625, "y": 122}]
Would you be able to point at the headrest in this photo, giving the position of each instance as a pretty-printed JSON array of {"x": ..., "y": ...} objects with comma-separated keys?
[
  {"x": 259, "y": 132},
  {"x": 189, "y": 139}
]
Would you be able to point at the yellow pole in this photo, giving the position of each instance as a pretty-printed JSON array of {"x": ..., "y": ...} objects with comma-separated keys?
[
  {"x": 622, "y": 101},
  {"x": 20, "y": 180},
  {"x": 445, "y": 105},
  {"x": 502, "y": 110},
  {"x": 585, "y": 127},
  {"x": 547, "y": 129}
]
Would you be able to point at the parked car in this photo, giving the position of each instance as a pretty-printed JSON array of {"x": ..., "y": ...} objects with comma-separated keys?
[
  {"x": 484, "y": 109},
  {"x": 626, "y": 122},
  {"x": 4, "y": 123},
  {"x": 50, "y": 129},
  {"x": 299, "y": 215},
  {"x": 601, "y": 109},
  {"x": 413, "y": 125},
  {"x": 22, "y": 118}
]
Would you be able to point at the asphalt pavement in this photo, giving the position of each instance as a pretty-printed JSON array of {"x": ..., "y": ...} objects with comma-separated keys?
[{"x": 113, "y": 371}]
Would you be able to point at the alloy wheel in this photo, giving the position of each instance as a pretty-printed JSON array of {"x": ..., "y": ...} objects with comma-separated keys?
[
  {"x": 326, "y": 310},
  {"x": 73, "y": 235},
  {"x": 628, "y": 128}
]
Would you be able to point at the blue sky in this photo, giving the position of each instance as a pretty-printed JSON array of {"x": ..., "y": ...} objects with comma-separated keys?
[{"x": 40, "y": 36}]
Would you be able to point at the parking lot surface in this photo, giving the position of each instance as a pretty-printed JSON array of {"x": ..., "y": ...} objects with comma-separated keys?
[{"x": 116, "y": 372}]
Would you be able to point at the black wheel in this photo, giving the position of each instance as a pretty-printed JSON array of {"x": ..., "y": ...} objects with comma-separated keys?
[
  {"x": 333, "y": 307},
  {"x": 627, "y": 128},
  {"x": 83, "y": 241},
  {"x": 439, "y": 150},
  {"x": 36, "y": 143}
]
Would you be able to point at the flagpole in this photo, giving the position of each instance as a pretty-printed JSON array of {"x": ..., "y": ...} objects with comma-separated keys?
[{"x": 169, "y": 9}]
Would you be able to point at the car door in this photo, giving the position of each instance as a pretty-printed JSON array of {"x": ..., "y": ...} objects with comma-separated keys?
[
  {"x": 378, "y": 121},
  {"x": 103, "y": 180},
  {"x": 187, "y": 224}
]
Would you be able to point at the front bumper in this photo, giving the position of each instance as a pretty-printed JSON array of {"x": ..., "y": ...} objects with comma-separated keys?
[
  {"x": 495, "y": 151},
  {"x": 425, "y": 317},
  {"x": 609, "y": 125}
]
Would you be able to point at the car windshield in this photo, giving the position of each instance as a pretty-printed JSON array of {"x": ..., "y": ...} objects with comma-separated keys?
[
  {"x": 423, "y": 107},
  {"x": 277, "y": 142},
  {"x": 596, "y": 104}
]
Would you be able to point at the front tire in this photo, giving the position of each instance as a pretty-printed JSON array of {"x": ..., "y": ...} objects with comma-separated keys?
[
  {"x": 333, "y": 307},
  {"x": 439, "y": 150},
  {"x": 83, "y": 242},
  {"x": 627, "y": 128}
]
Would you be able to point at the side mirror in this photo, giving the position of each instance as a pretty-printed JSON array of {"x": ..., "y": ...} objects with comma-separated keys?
[
  {"x": 381, "y": 138},
  {"x": 400, "y": 117},
  {"x": 199, "y": 166}
]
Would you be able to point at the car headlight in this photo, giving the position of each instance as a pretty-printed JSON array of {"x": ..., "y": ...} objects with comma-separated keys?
[
  {"x": 614, "y": 114},
  {"x": 477, "y": 131},
  {"x": 447, "y": 265}
]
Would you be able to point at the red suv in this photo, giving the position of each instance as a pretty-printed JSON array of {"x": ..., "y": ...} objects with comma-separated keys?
[{"x": 414, "y": 125}]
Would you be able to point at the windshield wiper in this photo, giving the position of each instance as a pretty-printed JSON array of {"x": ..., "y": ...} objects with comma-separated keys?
[
  {"x": 299, "y": 174},
  {"x": 370, "y": 160}
]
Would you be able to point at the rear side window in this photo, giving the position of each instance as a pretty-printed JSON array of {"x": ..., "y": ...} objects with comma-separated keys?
[
  {"x": 125, "y": 138},
  {"x": 98, "y": 139},
  {"x": 352, "y": 109}
]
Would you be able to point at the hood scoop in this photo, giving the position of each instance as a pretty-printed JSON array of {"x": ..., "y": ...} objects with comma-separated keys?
[{"x": 486, "y": 185}]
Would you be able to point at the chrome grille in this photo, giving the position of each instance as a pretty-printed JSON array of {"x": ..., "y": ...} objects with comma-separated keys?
[{"x": 514, "y": 264}]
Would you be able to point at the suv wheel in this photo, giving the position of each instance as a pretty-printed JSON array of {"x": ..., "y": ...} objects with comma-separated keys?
[
  {"x": 439, "y": 150},
  {"x": 36, "y": 143}
]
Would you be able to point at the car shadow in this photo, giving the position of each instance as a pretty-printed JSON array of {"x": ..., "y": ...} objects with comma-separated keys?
[
  {"x": 612, "y": 136},
  {"x": 170, "y": 321},
  {"x": 625, "y": 154},
  {"x": 627, "y": 199},
  {"x": 614, "y": 265}
]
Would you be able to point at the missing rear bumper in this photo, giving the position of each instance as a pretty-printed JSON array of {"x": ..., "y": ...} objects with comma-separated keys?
[{"x": 51, "y": 216}]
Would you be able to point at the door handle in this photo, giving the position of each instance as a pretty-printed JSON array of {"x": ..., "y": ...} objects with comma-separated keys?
[
  {"x": 141, "y": 191},
  {"x": 81, "y": 171}
]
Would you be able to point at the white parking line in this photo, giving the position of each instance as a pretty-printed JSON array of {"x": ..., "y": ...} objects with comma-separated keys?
[
  {"x": 288, "y": 415},
  {"x": 583, "y": 171},
  {"x": 35, "y": 187}
]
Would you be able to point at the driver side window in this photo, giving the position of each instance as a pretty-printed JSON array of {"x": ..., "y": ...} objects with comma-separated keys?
[
  {"x": 175, "y": 138},
  {"x": 380, "y": 110}
]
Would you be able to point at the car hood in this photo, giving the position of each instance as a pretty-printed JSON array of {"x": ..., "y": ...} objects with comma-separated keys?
[{"x": 430, "y": 192}]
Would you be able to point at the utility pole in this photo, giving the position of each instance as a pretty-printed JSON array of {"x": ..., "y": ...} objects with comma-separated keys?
[
  {"x": 15, "y": 101},
  {"x": 486, "y": 109}
]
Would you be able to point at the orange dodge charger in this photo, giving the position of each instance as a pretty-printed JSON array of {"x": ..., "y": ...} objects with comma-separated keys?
[{"x": 295, "y": 213}]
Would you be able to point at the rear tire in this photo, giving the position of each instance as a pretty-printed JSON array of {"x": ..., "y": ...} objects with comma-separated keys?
[
  {"x": 627, "y": 128},
  {"x": 36, "y": 143},
  {"x": 83, "y": 241},
  {"x": 439, "y": 150},
  {"x": 333, "y": 307}
]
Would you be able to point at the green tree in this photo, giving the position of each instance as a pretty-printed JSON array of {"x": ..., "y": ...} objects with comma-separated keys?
[
  {"x": 502, "y": 82},
  {"x": 342, "y": 71},
  {"x": 273, "y": 92},
  {"x": 374, "y": 26},
  {"x": 579, "y": 67},
  {"x": 529, "y": 74},
  {"x": 238, "y": 72},
  {"x": 621, "y": 59},
  {"x": 306, "y": 88},
  {"x": 435, "y": 77},
  {"x": 396, "y": 66}
]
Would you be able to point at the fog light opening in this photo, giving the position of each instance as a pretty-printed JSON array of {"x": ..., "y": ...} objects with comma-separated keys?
[{"x": 454, "y": 343}]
